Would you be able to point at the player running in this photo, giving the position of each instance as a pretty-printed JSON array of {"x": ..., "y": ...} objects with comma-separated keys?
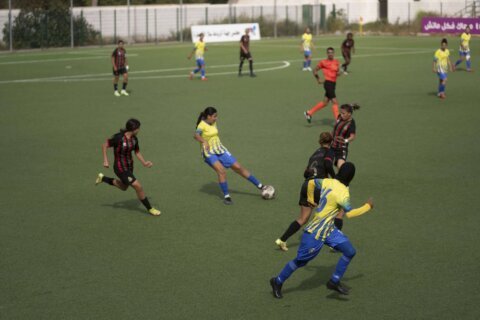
[
  {"x": 306, "y": 47},
  {"x": 344, "y": 132},
  {"x": 348, "y": 47},
  {"x": 320, "y": 166},
  {"x": 245, "y": 53},
  {"x": 124, "y": 143},
  {"x": 199, "y": 51},
  {"x": 216, "y": 155},
  {"x": 441, "y": 65},
  {"x": 331, "y": 70},
  {"x": 465, "y": 49},
  {"x": 329, "y": 196},
  {"x": 120, "y": 67}
]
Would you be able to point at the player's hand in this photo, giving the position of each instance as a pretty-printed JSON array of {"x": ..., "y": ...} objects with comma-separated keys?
[
  {"x": 370, "y": 202},
  {"x": 340, "y": 139},
  {"x": 126, "y": 67},
  {"x": 148, "y": 164},
  {"x": 105, "y": 164},
  {"x": 206, "y": 147}
]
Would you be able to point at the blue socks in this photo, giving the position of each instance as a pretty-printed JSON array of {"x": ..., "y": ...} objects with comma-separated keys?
[
  {"x": 224, "y": 187},
  {"x": 305, "y": 64},
  {"x": 255, "y": 182},
  {"x": 441, "y": 88},
  {"x": 348, "y": 253},
  {"x": 458, "y": 62},
  {"x": 309, "y": 62},
  {"x": 287, "y": 271},
  {"x": 203, "y": 73},
  {"x": 196, "y": 70},
  {"x": 469, "y": 64}
]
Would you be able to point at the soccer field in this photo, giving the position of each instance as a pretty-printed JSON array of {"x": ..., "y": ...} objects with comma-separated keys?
[{"x": 70, "y": 250}]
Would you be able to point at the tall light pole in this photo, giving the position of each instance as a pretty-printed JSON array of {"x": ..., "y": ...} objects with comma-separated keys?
[{"x": 10, "y": 23}]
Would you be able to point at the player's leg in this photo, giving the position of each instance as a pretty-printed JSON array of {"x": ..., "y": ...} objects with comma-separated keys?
[
  {"x": 111, "y": 181},
  {"x": 309, "y": 113},
  {"x": 305, "y": 212},
  {"x": 442, "y": 85},
  {"x": 222, "y": 180},
  {"x": 340, "y": 242},
  {"x": 115, "y": 83},
  {"x": 242, "y": 59},
  {"x": 340, "y": 157},
  {"x": 202, "y": 70},
  {"x": 250, "y": 65},
  {"x": 469, "y": 63},
  {"x": 335, "y": 110},
  {"x": 460, "y": 58},
  {"x": 309, "y": 61},
  {"x": 143, "y": 199},
  {"x": 237, "y": 167},
  {"x": 309, "y": 249},
  {"x": 124, "y": 84}
]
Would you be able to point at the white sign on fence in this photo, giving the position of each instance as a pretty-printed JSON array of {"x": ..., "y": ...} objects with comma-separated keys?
[{"x": 225, "y": 32}]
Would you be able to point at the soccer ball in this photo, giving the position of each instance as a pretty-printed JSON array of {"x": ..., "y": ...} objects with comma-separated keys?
[{"x": 268, "y": 192}]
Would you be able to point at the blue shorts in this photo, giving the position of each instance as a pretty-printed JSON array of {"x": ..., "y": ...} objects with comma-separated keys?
[
  {"x": 310, "y": 247},
  {"x": 442, "y": 75},
  {"x": 226, "y": 159},
  {"x": 200, "y": 62},
  {"x": 307, "y": 53},
  {"x": 464, "y": 53}
]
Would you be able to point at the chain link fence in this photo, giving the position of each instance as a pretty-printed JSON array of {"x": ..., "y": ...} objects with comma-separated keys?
[{"x": 81, "y": 26}]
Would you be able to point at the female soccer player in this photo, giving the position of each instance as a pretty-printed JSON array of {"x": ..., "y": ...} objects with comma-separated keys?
[
  {"x": 123, "y": 144},
  {"x": 331, "y": 69},
  {"x": 306, "y": 47},
  {"x": 320, "y": 165},
  {"x": 441, "y": 65},
  {"x": 120, "y": 67},
  {"x": 348, "y": 47},
  {"x": 465, "y": 49},
  {"x": 344, "y": 132},
  {"x": 245, "y": 53},
  {"x": 216, "y": 155},
  {"x": 329, "y": 196},
  {"x": 199, "y": 51}
]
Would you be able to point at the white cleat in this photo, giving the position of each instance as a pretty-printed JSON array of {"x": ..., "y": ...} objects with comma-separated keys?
[
  {"x": 124, "y": 93},
  {"x": 116, "y": 93},
  {"x": 309, "y": 69}
]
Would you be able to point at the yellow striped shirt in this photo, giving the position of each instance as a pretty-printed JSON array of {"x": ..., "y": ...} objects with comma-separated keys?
[
  {"x": 209, "y": 133},
  {"x": 441, "y": 58},
  {"x": 307, "y": 41},
  {"x": 465, "y": 41}
]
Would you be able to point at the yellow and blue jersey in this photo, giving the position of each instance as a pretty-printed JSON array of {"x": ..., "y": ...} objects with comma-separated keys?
[
  {"x": 209, "y": 133},
  {"x": 465, "y": 41},
  {"x": 307, "y": 41},
  {"x": 333, "y": 196},
  {"x": 441, "y": 58},
  {"x": 199, "y": 49}
]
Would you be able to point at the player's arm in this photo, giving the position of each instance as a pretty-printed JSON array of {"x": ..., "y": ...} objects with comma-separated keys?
[
  {"x": 434, "y": 68},
  {"x": 243, "y": 47},
  {"x": 198, "y": 136},
  {"x": 353, "y": 46},
  {"x": 351, "y": 213},
  {"x": 329, "y": 167},
  {"x": 113, "y": 63},
  {"x": 105, "y": 146},
  {"x": 139, "y": 156},
  {"x": 450, "y": 65},
  {"x": 191, "y": 53},
  {"x": 350, "y": 138},
  {"x": 315, "y": 74},
  {"x": 126, "y": 61}
]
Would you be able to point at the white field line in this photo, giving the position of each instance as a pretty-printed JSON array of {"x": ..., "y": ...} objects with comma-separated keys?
[
  {"x": 106, "y": 57},
  {"x": 107, "y": 76}
]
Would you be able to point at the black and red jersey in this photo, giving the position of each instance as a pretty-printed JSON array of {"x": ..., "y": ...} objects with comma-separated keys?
[
  {"x": 122, "y": 150},
  {"x": 342, "y": 129},
  {"x": 322, "y": 162},
  {"x": 120, "y": 55},
  {"x": 245, "y": 41},
  {"x": 348, "y": 44}
]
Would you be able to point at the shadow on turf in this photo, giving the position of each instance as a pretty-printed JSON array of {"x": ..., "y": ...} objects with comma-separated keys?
[
  {"x": 319, "y": 279},
  {"x": 213, "y": 189},
  {"x": 131, "y": 205}
]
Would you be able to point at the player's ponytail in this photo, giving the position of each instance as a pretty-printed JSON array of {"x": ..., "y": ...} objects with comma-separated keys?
[
  {"x": 349, "y": 107},
  {"x": 209, "y": 111}
]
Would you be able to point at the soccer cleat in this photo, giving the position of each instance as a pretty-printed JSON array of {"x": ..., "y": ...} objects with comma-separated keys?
[
  {"x": 99, "y": 179},
  {"x": 281, "y": 244},
  {"x": 253, "y": 75},
  {"x": 116, "y": 93},
  {"x": 305, "y": 69},
  {"x": 309, "y": 69},
  {"x": 227, "y": 200},
  {"x": 124, "y": 93},
  {"x": 307, "y": 116},
  {"x": 276, "y": 288},
  {"x": 345, "y": 73},
  {"x": 191, "y": 76},
  {"x": 337, "y": 287},
  {"x": 204, "y": 79},
  {"x": 154, "y": 212}
]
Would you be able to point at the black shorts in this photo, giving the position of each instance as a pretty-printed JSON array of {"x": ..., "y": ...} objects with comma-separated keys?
[
  {"x": 347, "y": 55},
  {"x": 126, "y": 177},
  {"x": 119, "y": 71},
  {"x": 303, "y": 201},
  {"x": 329, "y": 87},
  {"x": 244, "y": 55},
  {"x": 340, "y": 154}
]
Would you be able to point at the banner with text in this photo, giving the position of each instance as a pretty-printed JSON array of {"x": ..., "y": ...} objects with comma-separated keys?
[
  {"x": 225, "y": 32},
  {"x": 450, "y": 25}
]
